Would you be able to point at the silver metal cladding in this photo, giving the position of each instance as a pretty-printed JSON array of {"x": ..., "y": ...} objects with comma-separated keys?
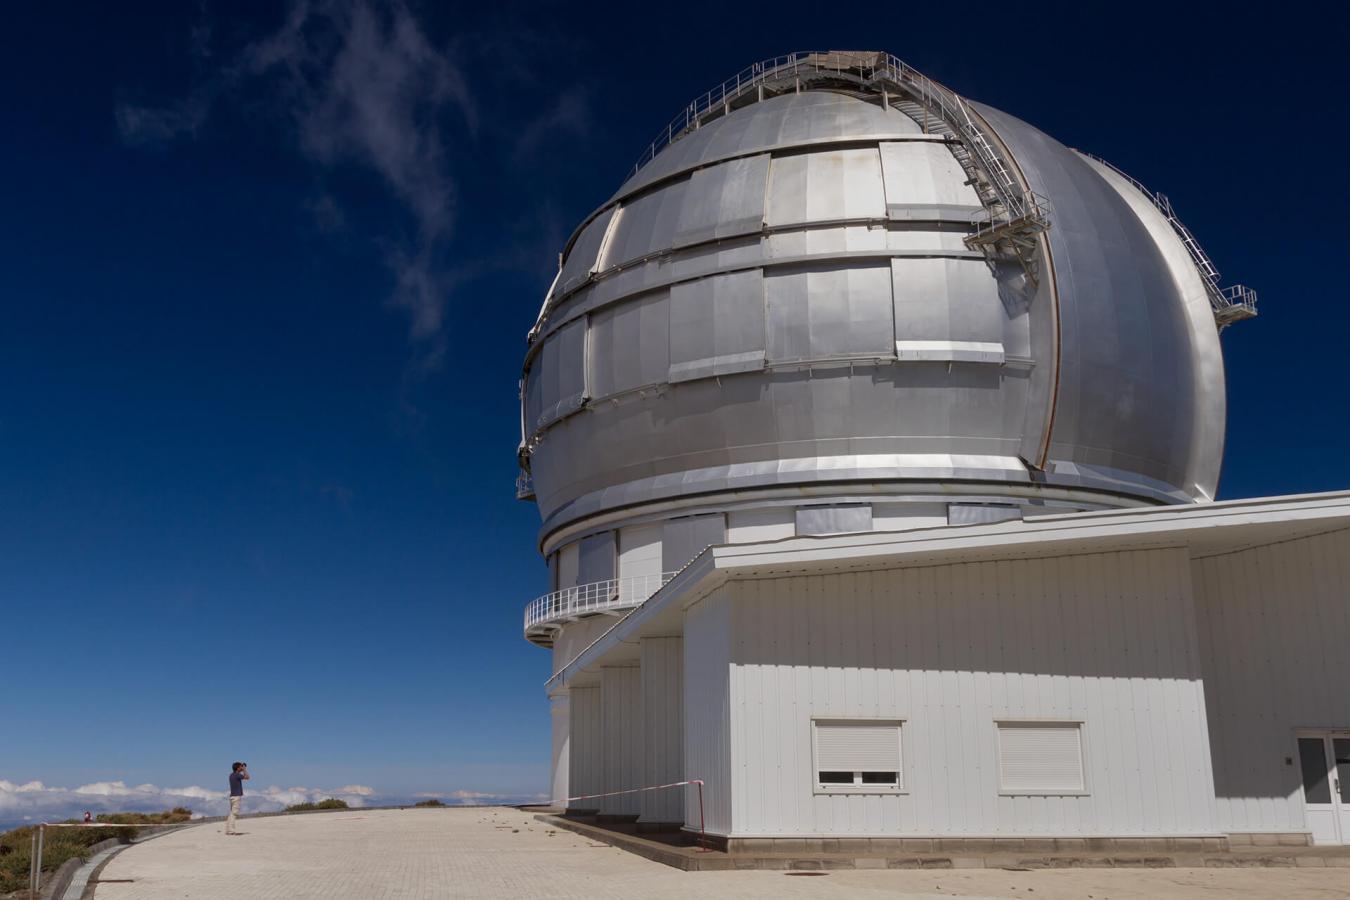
[{"x": 785, "y": 296}]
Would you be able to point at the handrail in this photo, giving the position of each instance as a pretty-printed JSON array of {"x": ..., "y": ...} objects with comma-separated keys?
[
  {"x": 1228, "y": 304},
  {"x": 524, "y": 486},
  {"x": 587, "y": 599},
  {"x": 870, "y": 69}
]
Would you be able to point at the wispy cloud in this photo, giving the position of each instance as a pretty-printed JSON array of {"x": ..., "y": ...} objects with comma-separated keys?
[
  {"x": 150, "y": 126},
  {"x": 355, "y": 83},
  {"x": 570, "y": 115}
]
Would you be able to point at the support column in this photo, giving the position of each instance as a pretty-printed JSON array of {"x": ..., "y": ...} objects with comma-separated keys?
[
  {"x": 621, "y": 713},
  {"x": 663, "y": 728},
  {"x": 559, "y": 773},
  {"x": 585, "y": 746}
]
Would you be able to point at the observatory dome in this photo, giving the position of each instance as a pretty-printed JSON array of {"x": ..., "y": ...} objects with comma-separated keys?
[{"x": 836, "y": 285}]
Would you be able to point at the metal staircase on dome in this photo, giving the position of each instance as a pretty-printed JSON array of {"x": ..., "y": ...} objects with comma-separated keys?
[
  {"x": 1013, "y": 215},
  {"x": 1230, "y": 304}
]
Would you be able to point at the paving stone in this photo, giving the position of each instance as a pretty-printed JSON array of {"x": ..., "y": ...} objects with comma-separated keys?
[{"x": 472, "y": 854}]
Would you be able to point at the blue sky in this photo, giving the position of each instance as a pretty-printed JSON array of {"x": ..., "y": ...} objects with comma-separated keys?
[{"x": 266, "y": 272}]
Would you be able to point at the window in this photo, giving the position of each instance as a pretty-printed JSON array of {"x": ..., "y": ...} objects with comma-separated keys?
[
  {"x": 857, "y": 756},
  {"x": 1041, "y": 758}
]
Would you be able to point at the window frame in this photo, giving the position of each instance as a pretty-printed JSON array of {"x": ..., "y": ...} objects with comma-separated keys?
[
  {"x": 1079, "y": 724},
  {"x": 900, "y": 788}
]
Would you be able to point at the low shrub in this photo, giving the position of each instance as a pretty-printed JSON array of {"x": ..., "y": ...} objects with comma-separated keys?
[
  {"x": 330, "y": 803},
  {"x": 433, "y": 802},
  {"x": 61, "y": 844}
]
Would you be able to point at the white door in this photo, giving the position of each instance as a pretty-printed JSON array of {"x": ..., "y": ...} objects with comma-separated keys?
[{"x": 1325, "y": 761}]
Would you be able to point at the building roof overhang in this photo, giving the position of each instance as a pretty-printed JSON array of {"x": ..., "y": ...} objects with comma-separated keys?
[{"x": 1208, "y": 529}]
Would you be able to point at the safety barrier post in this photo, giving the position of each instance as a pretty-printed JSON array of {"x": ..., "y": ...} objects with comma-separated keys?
[
  {"x": 702, "y": 830},
  {"x": 32, "y": 867}
]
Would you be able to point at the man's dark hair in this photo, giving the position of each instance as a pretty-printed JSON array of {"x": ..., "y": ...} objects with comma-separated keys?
[{"x": 238, "y": 766}]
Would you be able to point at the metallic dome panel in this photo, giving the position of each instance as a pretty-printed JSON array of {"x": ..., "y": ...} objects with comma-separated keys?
[{"x": 783, "y": 300}]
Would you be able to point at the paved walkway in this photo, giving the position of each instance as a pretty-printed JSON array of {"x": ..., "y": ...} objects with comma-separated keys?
[{"x": 497, "y": 853}]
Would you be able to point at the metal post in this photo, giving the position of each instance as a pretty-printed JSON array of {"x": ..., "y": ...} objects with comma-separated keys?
[
  {"x": 32, "y": 866},
  {"x": 37, "y": 865},
  {"x": 702, "y": 830}
]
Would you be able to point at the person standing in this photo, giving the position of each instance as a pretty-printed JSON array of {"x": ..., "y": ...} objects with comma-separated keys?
[{"x": 238, "y": 775}]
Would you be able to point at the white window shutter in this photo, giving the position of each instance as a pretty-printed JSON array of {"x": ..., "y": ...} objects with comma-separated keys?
[
  {"x": 857, "y": 747},
  {"x": 1040, "y": 757}
]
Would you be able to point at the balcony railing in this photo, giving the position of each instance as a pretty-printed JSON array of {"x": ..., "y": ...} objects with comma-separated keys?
[{"x": 546, "y": 614}]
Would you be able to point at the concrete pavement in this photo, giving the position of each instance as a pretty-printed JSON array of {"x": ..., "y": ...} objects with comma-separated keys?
[{"x": 500, "y": 852}]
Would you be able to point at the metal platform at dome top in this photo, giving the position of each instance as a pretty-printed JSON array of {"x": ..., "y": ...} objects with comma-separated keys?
[{"x": 1013, "y": 214}]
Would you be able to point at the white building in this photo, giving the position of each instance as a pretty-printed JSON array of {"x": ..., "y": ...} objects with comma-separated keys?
[
  {"x": 875, "y": 436},
  {"x": 1168, "y": 672}
]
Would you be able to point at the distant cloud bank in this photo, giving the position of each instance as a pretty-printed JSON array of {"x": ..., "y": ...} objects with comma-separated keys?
[{"x": 36, "y": 802}]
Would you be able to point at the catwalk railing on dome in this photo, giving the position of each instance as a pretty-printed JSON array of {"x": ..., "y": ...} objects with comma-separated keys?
[
  {"x": 1013, "y": 214},
  {"x": 546, "y": 614},
  {"x": 1231, "y": 304}
]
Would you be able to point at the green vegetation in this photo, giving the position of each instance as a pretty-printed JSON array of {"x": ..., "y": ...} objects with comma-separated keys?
[
  {"x": 61, "y": 844},
  {"x": 330, "y": 803},
  {"x": 431, "y": 803}
]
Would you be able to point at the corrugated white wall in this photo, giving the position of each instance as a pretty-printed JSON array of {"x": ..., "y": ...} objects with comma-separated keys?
[
  {"x": 1106, "y": 638},
  {"x": 663, "y": 720},
  {"x": 1275, "y": 644},
  {"x": 707, "y": 734},
  {"x": 621, "y": 712},
  {"x": 559, "y": 759},
  {"x": 584, "y": 760}
]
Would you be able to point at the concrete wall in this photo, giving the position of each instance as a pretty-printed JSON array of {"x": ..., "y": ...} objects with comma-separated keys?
[
  {"x": 621, "y": 715},
  {"x": 577, "y": 636},
  {"x": 1275, "y": 645},
  {"x": 1108, "y": 639},
  {"x": 707, "y": 715},
  {"x": 763, "y": 524},
  {"x": 663, "y": 723},
  {"x": 585, "y": 775}
]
